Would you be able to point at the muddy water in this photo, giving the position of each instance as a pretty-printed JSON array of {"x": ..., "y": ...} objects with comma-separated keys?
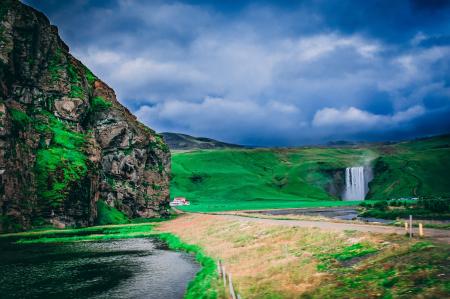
[
  {"x": 333, "y": 213},
  {"x": 131, "y": 268}
]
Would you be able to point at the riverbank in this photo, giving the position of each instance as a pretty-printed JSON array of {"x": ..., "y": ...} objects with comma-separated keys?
[
  {"x": 277, "y": 260},
  {"x": 204, "y": 285},
  {"x": 284, "y": 261}
]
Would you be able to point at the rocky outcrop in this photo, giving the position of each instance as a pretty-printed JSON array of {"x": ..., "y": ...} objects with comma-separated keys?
[{"x": 65, "y": 140}]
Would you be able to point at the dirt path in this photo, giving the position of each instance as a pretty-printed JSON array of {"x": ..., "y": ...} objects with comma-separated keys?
[{"x": 437, "y": 234}]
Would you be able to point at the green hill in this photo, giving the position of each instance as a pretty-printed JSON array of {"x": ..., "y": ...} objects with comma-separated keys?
[
  {"x": 233, "y": 179},
  {"x": 419, "y": 168}
]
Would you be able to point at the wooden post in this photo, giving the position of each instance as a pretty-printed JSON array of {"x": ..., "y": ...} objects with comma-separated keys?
[
  {"x": 410, "y": 226},
  {"x": 406, "y": 227},
  {"x": 224, "y": 275},
  {"x": 232, "y": 294},
  {"x": 421, "y": 230},
  {"x": 219, "y": 269}
]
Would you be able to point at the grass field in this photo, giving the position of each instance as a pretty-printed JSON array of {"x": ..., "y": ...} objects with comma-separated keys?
[
  {"x": 240, "y": 179},
  {"x": 230, "y": 179},
  {"x": 276, "y": 261}
]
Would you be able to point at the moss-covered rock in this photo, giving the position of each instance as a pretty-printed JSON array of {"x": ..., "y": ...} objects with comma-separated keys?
[{"x": 65, "y": 140}]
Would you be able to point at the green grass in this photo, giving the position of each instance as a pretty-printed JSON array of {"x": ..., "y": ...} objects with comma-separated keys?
[
  {"x": 109, "y": 215},
  {"x": 418, "y": 168},
  {"x": 357, "y": 250},
  {"x": 235, "y": 179},
  {"x": 415, "y": 270},
  {"x": 206, "y": 281},
  {"x": 241, "y": 179}
]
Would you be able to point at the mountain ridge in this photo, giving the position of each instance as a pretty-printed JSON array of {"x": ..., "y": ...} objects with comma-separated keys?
[{"x": 180, "y": 141}]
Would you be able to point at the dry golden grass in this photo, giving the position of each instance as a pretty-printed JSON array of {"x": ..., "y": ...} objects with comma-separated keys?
[{"x": 267, "y": 261}]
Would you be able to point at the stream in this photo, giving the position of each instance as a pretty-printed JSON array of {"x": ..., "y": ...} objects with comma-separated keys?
[
  {"x": 342, "y": 213},
  {"x": 129, "y": 268}
]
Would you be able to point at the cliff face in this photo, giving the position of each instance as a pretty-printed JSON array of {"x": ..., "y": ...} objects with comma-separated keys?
[{"x": 65, "y": 140}]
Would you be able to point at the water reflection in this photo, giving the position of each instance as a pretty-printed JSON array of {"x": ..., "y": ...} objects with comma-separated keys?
[{"x": 131, "y": 268}]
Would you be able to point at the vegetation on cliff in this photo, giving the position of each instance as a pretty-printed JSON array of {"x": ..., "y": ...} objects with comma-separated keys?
[
  {"x": 61, "y": 164},
  {"x": 65, "y": 137}
]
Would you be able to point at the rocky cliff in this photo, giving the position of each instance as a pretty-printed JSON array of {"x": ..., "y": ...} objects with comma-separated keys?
[{"x": 65, "y": 140}]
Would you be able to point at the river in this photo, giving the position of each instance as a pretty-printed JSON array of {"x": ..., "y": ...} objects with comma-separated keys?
[
  {"x": 128, "y": 268},
  {"x": 341, "y": 213}
]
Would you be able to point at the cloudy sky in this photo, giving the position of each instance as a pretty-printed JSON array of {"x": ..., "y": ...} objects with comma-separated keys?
[{"x": 269, "y": 72}]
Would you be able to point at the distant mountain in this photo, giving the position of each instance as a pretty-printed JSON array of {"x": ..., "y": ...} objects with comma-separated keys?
[{"x": 177, "y": 141}]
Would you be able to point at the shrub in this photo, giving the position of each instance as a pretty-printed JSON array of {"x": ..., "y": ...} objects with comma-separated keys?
[
  {"x": 90, "y": 77},
  {"x": 99, "y": 104},
  {"x": 109, "y": 215},
  {"x": 435, "y": 204},
  {"x": 381, "y": 205},
  {"x": 20, "y": 119}
]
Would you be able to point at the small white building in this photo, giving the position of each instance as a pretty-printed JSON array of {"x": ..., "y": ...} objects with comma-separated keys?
[{"x": 179, "y": 201}]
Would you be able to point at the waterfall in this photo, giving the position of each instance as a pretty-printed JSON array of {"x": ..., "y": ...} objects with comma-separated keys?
[{"x": 355, "y": 183}]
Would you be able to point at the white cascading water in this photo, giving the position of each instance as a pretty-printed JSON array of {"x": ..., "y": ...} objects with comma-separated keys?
[{"x": 355, "y": 183}]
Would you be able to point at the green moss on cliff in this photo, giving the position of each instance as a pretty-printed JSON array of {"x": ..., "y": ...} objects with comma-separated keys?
[
  {"x": 55, "y": 64},
  {"x": 60, "y": 165},
  {"x": 99, "y": 104},
  {"x": 76, "y": 91},
  {"x": 90, "y": 77},
  {"x": 20, "y": 119},
  {"x": 159, "y": 143},
  {"x": 109, "y": 215}
]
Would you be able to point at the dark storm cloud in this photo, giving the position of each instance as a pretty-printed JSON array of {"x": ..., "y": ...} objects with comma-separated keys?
[{"x": 270, "y": 73}]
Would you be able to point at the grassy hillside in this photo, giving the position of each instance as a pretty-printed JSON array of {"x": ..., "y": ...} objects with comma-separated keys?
[
  {"x": 419, "y": 168},
  {"x": 234, "y": 179}
]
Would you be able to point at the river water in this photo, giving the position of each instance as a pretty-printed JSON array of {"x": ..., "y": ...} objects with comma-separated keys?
[
  {"x": 341, "y": 213},
  {"x": 129, "y": 268}
]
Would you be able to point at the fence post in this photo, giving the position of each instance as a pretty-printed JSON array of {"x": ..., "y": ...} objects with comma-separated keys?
[
  {"x": 233, "y": 295},
  {"x": 406, "y": 227},
  {"x": 224, "y": 275},
  {"x": 410, "y": 226},
  {"x": 421, "y": 234}
]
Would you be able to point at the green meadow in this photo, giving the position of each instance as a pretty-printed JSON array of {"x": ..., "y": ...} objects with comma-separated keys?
[{"x": 241, "y": 179}]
